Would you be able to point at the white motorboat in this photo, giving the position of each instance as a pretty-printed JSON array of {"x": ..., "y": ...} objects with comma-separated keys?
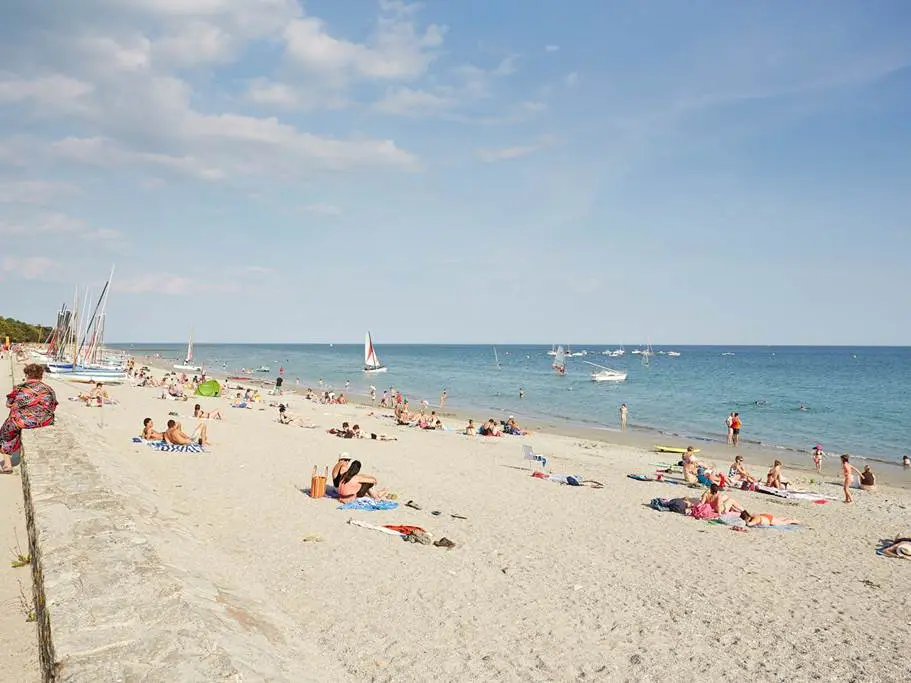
[
  {"x": 262, "y": 368},
  {"x": 372, "y": 363},
  {"x": 605, "y": 374},
  {"x": 673, "y": 354}
]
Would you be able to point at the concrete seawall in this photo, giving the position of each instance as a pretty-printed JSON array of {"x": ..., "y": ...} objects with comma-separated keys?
[{"x": 109, "y": 608}]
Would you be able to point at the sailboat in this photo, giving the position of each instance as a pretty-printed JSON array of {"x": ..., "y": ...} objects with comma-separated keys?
[
  {"x": 606, "y": 374},
  {"x": 186, "y": 364},
  {"x": 648, "y": 353},
  {"x": 560, "y": 361},
  {"x": 496, "y": 358},
  {"x": 553, "y": 350},
  {"x": 371, "y": 360}
]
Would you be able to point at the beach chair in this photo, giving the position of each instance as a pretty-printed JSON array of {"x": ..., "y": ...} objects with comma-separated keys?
[{"x": 529, "y": 454}]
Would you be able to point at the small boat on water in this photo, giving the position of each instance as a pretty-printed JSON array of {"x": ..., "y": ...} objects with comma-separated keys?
[
  {"x": 262, "y": 368},
  {"x": 186, "y": 364},
  {"x": 673, "y": 354},
  {"x": 372, "y": 363},
  {"x": 606, "y": 374}
]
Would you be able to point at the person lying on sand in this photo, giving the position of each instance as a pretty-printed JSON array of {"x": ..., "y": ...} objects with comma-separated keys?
[
  {"x": 201, "y": 414},
  {"x": 738, "y": 473},
  {"x": 773, "y": 478},
  {"x": 344, "y": 433},
  {"x": 900, "y": 547},
  {"x": 175, "y": 435},
  {"x": 765, "y": 519},
  {"x": 148, "y": 431},
  {"x": 720, "y": 502},
  {"x": 352, "y": 484}
]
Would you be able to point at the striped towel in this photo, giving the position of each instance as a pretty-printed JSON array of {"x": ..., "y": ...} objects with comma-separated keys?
[{"x": 172, "y": 448}]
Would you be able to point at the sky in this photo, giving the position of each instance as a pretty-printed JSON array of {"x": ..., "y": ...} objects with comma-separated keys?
[{"x": 512, "y": 171}]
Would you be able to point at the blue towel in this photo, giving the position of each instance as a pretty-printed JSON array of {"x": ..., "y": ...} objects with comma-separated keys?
[
  {"x": 369, "y": 504},
  {"x": 174, "y": 448}
]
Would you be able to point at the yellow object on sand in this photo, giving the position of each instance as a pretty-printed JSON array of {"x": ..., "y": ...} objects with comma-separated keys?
[{"x": 673, "y": 449}]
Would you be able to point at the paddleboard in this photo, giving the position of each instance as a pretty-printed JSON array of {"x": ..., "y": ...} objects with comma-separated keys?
[{"x": 672, "y": 449}]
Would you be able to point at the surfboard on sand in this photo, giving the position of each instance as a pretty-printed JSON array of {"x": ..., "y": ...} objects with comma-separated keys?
[{"x": 672, "y": 449}]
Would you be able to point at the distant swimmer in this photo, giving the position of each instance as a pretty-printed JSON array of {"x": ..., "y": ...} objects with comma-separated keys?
[
  {"x": 522, "y": 395},
  {"x": 802, "y": 408},
  {"x": 760, "y": 403}
]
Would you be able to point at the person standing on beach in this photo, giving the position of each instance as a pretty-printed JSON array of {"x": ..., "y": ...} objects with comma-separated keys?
[
  {"x": 729, "y": 422},
  {"x": 443, "y": 399},
  {"x": 847, "y": 472},
  {"x": 624, "y": 413},
  {"x": 278, "y": 385},
  {"x": 735, "y": 429},
  {"x": 372, "y": 394},
  {"x": 347, "y": 385}
]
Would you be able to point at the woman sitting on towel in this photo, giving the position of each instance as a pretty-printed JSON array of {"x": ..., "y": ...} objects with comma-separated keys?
[
  {"x": 738, "y": 473},
  {"x": 720, "y": 502},
  {"x": 148, "y": 431},
  {"x": 773, "y": 478},
  {"x": 353, "y": 485},
  {"x": 765, "y": 519}
]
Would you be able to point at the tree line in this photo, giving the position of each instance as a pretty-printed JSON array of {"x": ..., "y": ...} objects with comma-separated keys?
[{"x": 18, "y": 331}]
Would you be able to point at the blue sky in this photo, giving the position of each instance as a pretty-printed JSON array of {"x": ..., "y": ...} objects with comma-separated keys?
[{"x": 516, "y": 171}]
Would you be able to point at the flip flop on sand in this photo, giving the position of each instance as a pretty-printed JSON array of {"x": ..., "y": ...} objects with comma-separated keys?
[
  {"x": 444, "y": 543},
  {"x": 411, "y": 504}
]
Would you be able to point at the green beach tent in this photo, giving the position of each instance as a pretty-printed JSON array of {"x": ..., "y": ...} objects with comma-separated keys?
[{"x": 209, "y": 388}]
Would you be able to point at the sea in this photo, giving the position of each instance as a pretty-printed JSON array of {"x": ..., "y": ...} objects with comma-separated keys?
[{"x": 849, "y": 399}]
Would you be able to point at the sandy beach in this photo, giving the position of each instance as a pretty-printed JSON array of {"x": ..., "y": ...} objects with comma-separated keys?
[{"x": 546, "y": 582}]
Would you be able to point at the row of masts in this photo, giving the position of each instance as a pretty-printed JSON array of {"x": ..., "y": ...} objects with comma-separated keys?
[{"x": 80, "y": 341}]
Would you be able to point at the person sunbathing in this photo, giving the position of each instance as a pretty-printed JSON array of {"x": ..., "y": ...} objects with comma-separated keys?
[
  {"x": 690, "y": 471},
  {"x": 175, "y": 391},
  {"x": 773, "y": 478},
  {"x": 340, "y": 468},
  {"x": 470, "y": 429},
  {"x": 868, "y": 480},
  {"x": 98, "y": 394},
  {"x": 765, "y": 519},
  {"x": 489, "y": 428},
  {"x": 738, "y": 473},
  {"x": 352, "y": 484},
  {"x": 720, "y": 502},
  {"x": 344, "y": 433},
  {"x": 148, "y": 431},
  {"x": 900, "y": 547},
  {"x": 175, "y": 435},
  {"x": 199, "y": 413}
]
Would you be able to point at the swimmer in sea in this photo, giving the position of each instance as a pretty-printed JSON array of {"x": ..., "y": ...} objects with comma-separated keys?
[{"x": 906, "y": 462}]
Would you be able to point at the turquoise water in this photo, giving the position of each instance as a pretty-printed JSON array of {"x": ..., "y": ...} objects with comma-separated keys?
[{"x": 856, "y": 399}]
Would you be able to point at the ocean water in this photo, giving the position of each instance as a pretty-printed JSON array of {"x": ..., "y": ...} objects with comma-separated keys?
[{"x": 856, "y": 399}]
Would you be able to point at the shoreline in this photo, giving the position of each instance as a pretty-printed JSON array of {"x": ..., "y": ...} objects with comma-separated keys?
[{"x": 640, "y": 437}]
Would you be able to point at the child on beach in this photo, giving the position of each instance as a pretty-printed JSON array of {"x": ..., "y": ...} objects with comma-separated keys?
[{"x": 847, "y": 472}]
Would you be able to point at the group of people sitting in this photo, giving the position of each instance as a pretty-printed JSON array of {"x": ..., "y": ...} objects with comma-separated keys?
[
  {"x": 715, "y": 503},
  {"x": 492, "y": 428},
  {"x": 326, "y": 398},
  {"x": 174, "y": 433}
]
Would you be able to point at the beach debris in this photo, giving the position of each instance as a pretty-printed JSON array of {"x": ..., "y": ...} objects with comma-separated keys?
[
  {"x": 21, "y": 561},
  {"x": 445, "y": 543},
  {"x": 436, "y": 513},
  {"x": 457, "y": 516},
  {"x": 312, "y": 538},
  {"x": 411, "y": 504}
]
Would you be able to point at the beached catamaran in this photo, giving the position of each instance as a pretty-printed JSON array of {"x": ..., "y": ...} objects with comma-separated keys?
[
  {"x": 371, "y": 360},
  {"x": 560, "y": 361},
  {"x": 186, "y": 364}
]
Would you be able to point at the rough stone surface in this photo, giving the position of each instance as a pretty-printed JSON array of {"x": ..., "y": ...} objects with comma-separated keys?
[{"x": 109, "y": 607}]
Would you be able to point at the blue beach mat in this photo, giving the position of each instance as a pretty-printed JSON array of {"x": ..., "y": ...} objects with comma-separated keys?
[
  {"x": 173, "y": 448},
  {"x": 369, "y": 504}
]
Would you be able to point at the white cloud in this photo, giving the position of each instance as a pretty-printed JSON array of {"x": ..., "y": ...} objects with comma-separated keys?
[
  {"x": 37, "y": 192},
  {"x": 571, "y": 80},
  {"x": 396, "y": 50},
  {"x": 551, "y": 48},
  {"x": 322, "y": 209},
  {"x": 56, "y": 91},
  {"x": 492, "y": 155},
  {"x": 404, "y": 101},
  {"x": 265, "y": 92},
  {"x": 28, "y": 267},
  {"x": 57, "y": 224}
]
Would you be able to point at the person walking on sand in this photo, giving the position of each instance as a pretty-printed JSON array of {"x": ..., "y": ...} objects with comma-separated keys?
[
  {"x": 443, "y": 399},
  {"x": 624, "y": 413},
  {"x": 729, "y": 422},
  {"x": 847, "y": 472},
  {"x": 735, "y": 429}
]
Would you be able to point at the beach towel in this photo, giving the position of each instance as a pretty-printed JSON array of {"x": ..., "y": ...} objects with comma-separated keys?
[
  {"x": 703, "y": 511},
  {"x": 174, "y": 448},
  {"x": 369, "y": 504}
]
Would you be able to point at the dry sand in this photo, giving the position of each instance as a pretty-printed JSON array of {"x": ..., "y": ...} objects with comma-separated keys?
[{"x": 546, "y": 582}]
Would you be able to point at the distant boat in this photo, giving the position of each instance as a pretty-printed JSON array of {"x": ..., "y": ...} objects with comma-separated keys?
[
  {"x": 616, "y": 353},
  {"x": 262, "y": 368},
  {"x": 553, "y": 350},
  {"x": 675, "y": 354},
  {"x": 371, "y": 360},
  {"x": 186, "y": 364},
  {"x": 646, "y": 354},
  {"x": 605, "y": 374},
  {"x": 728, "y": 353},
  {"x": 559, "y": 363}
]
